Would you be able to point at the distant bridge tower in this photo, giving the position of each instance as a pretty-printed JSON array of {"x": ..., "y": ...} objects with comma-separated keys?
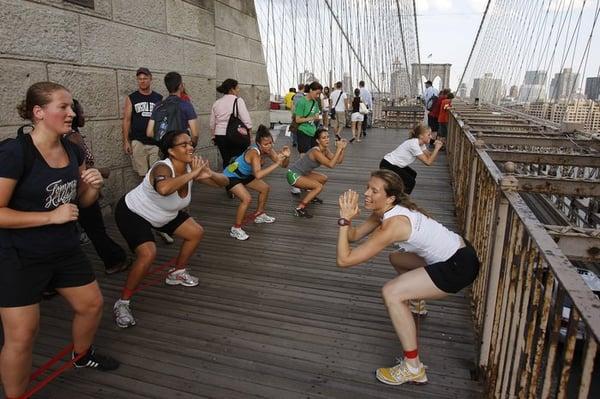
[{"x": 430, "y": 72}]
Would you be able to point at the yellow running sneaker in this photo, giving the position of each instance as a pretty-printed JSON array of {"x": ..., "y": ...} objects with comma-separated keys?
[
  {"x": 401, "y": 374},
  {"x": 417, "y": 306}
]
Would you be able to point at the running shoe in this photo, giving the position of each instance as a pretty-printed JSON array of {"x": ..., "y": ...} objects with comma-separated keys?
[
  {"x": 302, "y": 213},
  {"x": 295, "y": 191},
  {"x": 181, "y": 276},
  {"x": 96, "y": 361},
  {"x": 264, "y": 218},
  {"x": 166, "y": 238},
  {"x": 118, "y": 267},
  {"x": 417, "y": 306},
  {"x": 238, "y": 233},
  {"x": 402, "y": 374},
  {"x": 316, "y": 200},
  {"x": 122, "y": 314}
]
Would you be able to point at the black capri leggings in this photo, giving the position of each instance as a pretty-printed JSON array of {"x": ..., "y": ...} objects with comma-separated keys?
[{"x": 407, "y": 174}]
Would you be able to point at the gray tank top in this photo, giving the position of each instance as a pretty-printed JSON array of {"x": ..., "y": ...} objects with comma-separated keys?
[{"x": 305, "y": 165}]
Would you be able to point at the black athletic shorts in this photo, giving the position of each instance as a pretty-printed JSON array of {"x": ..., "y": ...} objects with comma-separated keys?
[
  {"x": 432, "y": 122},
  {"x": 234, "y": 181},
  {"x": 22, "y": 279},
  {"x": 136, "y": 230},
  {"x": 407, "y": 174},
  {"x": 305, "y": 142},
  {"x": 458, "y": 272}
]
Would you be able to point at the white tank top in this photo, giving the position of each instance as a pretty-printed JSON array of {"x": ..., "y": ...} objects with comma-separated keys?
[
  {"x": 428, "y": 238},
  {"x": 155, "y": 208}
]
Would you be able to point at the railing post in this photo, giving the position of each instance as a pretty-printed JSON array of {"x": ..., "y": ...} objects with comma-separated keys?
[{"x": 494, "y": 278}]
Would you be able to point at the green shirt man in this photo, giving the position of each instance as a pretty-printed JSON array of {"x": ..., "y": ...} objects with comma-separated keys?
[{"x": 304, "y": 109}]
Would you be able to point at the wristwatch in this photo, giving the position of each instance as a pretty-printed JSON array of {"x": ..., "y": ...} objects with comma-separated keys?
[{"x": 344, "y": 222}]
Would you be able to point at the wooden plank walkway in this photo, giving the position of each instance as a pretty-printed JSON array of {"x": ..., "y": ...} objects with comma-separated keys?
[{"x": 273, "y": 316}]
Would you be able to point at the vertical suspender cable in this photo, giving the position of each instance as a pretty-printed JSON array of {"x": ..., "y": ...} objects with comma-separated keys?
[{"x": 418, "y": 49}]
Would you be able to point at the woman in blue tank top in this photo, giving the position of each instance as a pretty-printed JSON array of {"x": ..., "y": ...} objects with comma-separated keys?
[
  {"x": 433, "y": 263},
  {"x": 246, "y": 171},
  {"x": 301, "y": 173}
]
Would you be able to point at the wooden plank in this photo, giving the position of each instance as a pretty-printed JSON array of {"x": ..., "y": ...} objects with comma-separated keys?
[{"x": 273, "y": 316}]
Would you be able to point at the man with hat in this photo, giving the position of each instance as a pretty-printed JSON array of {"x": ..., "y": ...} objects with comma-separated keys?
[{"x": 136, "y": 114}]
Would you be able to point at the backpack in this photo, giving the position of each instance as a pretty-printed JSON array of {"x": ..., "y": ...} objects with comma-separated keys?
[
  {"x": 28, "y": 151},
  {"x": 431, "y": 103},
  {"x": 167, "y": 117}
]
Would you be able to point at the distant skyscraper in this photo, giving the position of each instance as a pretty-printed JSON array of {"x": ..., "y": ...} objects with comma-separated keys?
[
  {"x": 592, "y": 88},
  {"x": 462, "y": 90},
  {"x": 347, "y": 82},
  {"x": 514, "y": 91},
  {"x": 487, "y": 89},
  {"x": 564, "y": 84},
  {"x": 399, "y": 81},
  {"x": 534, "y": 87},
  {"x": 307, "y": 77}
]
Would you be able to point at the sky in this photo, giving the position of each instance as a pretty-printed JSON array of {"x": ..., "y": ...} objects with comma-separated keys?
[{"x": 447, "y": 30}]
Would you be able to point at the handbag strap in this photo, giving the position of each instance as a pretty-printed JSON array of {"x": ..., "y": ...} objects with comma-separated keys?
[
  {"x": 235, "y": 108},
  {"x": 338, "y": 100}
]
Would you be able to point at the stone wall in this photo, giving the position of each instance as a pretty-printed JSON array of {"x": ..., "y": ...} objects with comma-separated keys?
[{"x": 95, "y": 53}]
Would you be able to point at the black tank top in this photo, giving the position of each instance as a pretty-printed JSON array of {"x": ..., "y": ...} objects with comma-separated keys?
[{"x": 142, "y": 106}]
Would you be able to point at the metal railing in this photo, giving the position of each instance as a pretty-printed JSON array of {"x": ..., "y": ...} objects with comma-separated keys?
[{"x": 537, "y": 321}]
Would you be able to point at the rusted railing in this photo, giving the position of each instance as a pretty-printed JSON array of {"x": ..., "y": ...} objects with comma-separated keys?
[{"x": 537, "y": 321}]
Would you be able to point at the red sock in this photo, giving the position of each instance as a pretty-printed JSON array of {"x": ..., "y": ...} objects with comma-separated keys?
[
  {"x": 127, "y": 294},
  {"x": 237, "y": 226},
  {"x": 411, "y": 354}
]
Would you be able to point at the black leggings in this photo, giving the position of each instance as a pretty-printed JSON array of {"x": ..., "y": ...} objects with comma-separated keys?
[
  {"x": 407, "y": 174},
  {"x": 228, "y": 150}
]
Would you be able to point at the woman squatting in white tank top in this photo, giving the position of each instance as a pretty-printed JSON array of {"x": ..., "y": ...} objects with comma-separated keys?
[{"x": 432, "y": 261}]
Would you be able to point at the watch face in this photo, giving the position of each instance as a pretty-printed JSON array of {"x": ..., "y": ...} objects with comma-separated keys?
[{"x": 343, "y": 222}]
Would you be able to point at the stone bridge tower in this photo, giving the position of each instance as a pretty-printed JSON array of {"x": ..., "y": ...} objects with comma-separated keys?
[
  {"x": 430, "y": 72},
  {"x": 94, "y": 47}
]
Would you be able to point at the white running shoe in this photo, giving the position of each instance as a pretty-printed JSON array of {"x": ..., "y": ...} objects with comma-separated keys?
[
  {"x": 181, "y": 276},
  {"x": 122, "y": 314},
  {"x": 295, "y": 190},
  {"x": 166, "y": 238},
  {"x": 238, "y": 233},
  {"x": 264, "y": 218}
]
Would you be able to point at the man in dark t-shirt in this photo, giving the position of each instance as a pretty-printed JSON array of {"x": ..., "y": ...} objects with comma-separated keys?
[
  {"x": 189, "y": 119},
  {"x": 136, "y": 114}
]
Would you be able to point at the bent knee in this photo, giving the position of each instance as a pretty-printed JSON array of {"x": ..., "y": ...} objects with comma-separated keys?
[
  {"x": 198, "y": 233},
  {"x": 391, "y": 294},
  {"x": 146, "y": 253}
]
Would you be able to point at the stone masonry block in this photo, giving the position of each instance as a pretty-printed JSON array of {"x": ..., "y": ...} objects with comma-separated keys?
[
  {"x": 236, "y": 46},
  {"x": 38, "y": 31},
  {"x": 144, "y": 13},
  {"x": 127, "y": 85},
  {"x": 113, "y": 187},
  {"x": 102, "y": 8},
  {"x": 202, "y": 91},
  {"x": 260, "y": 118},
  {"x": 95, "y": 88},
  {"x": 130, "y": 179},
  {"x": 226, "y": 68},
  {"x": 244, "y": 6},
  {"x": 235, "y": 21},
  {"x": 199, "y": 59},
  {"x": 187, "y": 20},
  {"x": 9, "y": 131},
  {"x": 116, "y": 45},
  {"x": 15, "y": 79},
  {"x": 256, "y": 97},
  {"x": 106, "y": 142},
  {"x": 252, "y": 73}
]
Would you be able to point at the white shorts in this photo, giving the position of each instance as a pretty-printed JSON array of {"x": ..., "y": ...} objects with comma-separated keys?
[{"x": 357, "y": 117}]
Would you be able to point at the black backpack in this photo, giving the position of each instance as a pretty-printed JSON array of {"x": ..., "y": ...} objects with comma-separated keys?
[
  {"x": 28, "y": 151},
  {"x": 167, "y": 117}
]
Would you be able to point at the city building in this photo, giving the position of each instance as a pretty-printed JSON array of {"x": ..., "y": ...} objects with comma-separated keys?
[
  {"x": 347, "y": 82},
  {"x": 306, "y": 77},
  {"x": 564, "y": 85},
  {"x": 586, "y": 112},
  {"x": 487, "y": 89},
  {"x": 592, "y": 88},
  {"x": 534, "y": 87},
  {"x": 462, "y": 90}
]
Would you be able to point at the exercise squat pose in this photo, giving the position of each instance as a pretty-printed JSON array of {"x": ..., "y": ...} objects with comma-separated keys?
[
  {"x": 414, "y": 148},
  {"x": 246, "y": 171},
  {"x": 432, "y": 261},
  {"x": 302, "y": 175},
  {"x": 158, "y": 203}
]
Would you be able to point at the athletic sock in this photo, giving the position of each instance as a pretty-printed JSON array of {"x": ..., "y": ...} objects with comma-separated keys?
[
  {"x": 126, "y": 293},
  {"x": 410, "y": 355},
  {"x": 237, "y": 226}
]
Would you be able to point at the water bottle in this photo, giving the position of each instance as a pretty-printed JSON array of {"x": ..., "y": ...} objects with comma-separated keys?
[{"x": 162, "y": 129}]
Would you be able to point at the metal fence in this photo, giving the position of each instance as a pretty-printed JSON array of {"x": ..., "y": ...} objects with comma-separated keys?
[{"x": 537, "y": 321}]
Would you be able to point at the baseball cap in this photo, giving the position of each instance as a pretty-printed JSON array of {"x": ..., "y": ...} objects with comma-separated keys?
[{"x": 143, "y": 70}]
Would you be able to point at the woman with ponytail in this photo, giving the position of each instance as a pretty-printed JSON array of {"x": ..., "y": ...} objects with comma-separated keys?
[
  {"x": 431, "y": 261},
  {"x": 43, "y": 179},
  {"x": 414, "y": 148}
]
